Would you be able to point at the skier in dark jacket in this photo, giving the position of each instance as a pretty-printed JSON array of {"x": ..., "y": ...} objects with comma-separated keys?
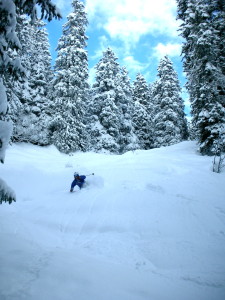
[{"x": 78, "y": 180}]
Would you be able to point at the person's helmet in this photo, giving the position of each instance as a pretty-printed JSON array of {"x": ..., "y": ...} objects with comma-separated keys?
[{"x": 76, "y": 174}]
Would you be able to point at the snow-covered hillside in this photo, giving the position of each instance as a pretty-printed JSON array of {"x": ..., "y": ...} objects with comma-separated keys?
[{"x": 150, "y": 225}]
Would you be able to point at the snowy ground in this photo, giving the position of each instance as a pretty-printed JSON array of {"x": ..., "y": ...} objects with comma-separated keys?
[{"x": 150, "y": 225}]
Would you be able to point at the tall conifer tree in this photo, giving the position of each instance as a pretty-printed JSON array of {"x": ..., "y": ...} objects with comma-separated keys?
[
  {"x": 142, "y": 113},
  {"x": 105, "y": 113},
  {"x": 29, "y": 97},
  {"x": 203, "y": 28},
  {"x": 169, "y": 118},
  {"x": 9, "y": 65},
  {"x": 124, "y": 93},
  {"x": 67, "y": 129}
]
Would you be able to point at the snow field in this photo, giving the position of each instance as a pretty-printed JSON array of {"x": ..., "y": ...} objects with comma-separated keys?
[{"x": 148, "y": 225}]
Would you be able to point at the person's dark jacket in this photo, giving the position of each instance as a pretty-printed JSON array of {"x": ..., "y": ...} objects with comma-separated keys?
[{"x": 79, "y": 180}]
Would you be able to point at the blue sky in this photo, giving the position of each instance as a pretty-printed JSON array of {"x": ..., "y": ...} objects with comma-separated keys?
[{"x": 140, "y": 32}]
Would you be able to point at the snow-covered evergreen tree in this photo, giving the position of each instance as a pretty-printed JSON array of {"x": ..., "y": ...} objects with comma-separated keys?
[
  {"x": 67, "y": 129},
  {"x": 142, "y": 113},
  {"x": 191, "y": 131},
  {"x": 28, "y": 99},
  {"x": 169, "y": 118},
  {"x": 203, "y": 28},
  {"x": 17, "y": 87},
  {"x": 105, "y": 131},
  {"x": 127, "y": 138},
  {"x": 9, "y": 65}
]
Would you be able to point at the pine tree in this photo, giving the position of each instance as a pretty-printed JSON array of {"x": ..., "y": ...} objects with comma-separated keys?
[
  {"x": 40, "y": 77},
  {"x": 142, "y": 113},
  {"x": 67, "y": 129},
  {"x": 105, "y": 120},
  {"x": 29, "y": 98},
  {"x": 17, "y": 93},
  {"x": 169, "y": 118},
  {"x": 127, "y": 138},
  {"x": 203, "y": 29},
  {"x": 8, "y": 65}
]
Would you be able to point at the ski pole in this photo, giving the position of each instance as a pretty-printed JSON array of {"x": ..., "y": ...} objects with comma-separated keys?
[{"x": 90, "y": 174}]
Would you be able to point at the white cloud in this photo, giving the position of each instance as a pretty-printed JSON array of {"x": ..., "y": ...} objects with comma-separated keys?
[
  {"x": 102, "y": 46},
  {"x": 129, "y": 20},
  {"x": 167, "y": 49},
  {"x": 134, "y": 67},
  {"x": 122, "y": 23},
  {"x": 64, "y": 6},
  {"x": 133, "y": 64}
]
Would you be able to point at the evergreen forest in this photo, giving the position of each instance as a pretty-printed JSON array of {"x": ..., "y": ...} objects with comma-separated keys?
[{"x": 57, "y": 106}]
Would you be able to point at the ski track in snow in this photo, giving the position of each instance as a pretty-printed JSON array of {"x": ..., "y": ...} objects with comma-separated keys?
[{"x": 148, "y": 225}]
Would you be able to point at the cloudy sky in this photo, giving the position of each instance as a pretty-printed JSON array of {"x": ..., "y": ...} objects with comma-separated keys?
[{"x": 139, "y": 31}]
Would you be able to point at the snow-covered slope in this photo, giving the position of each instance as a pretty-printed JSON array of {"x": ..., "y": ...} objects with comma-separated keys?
[{"x": 149, "y": 225}]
